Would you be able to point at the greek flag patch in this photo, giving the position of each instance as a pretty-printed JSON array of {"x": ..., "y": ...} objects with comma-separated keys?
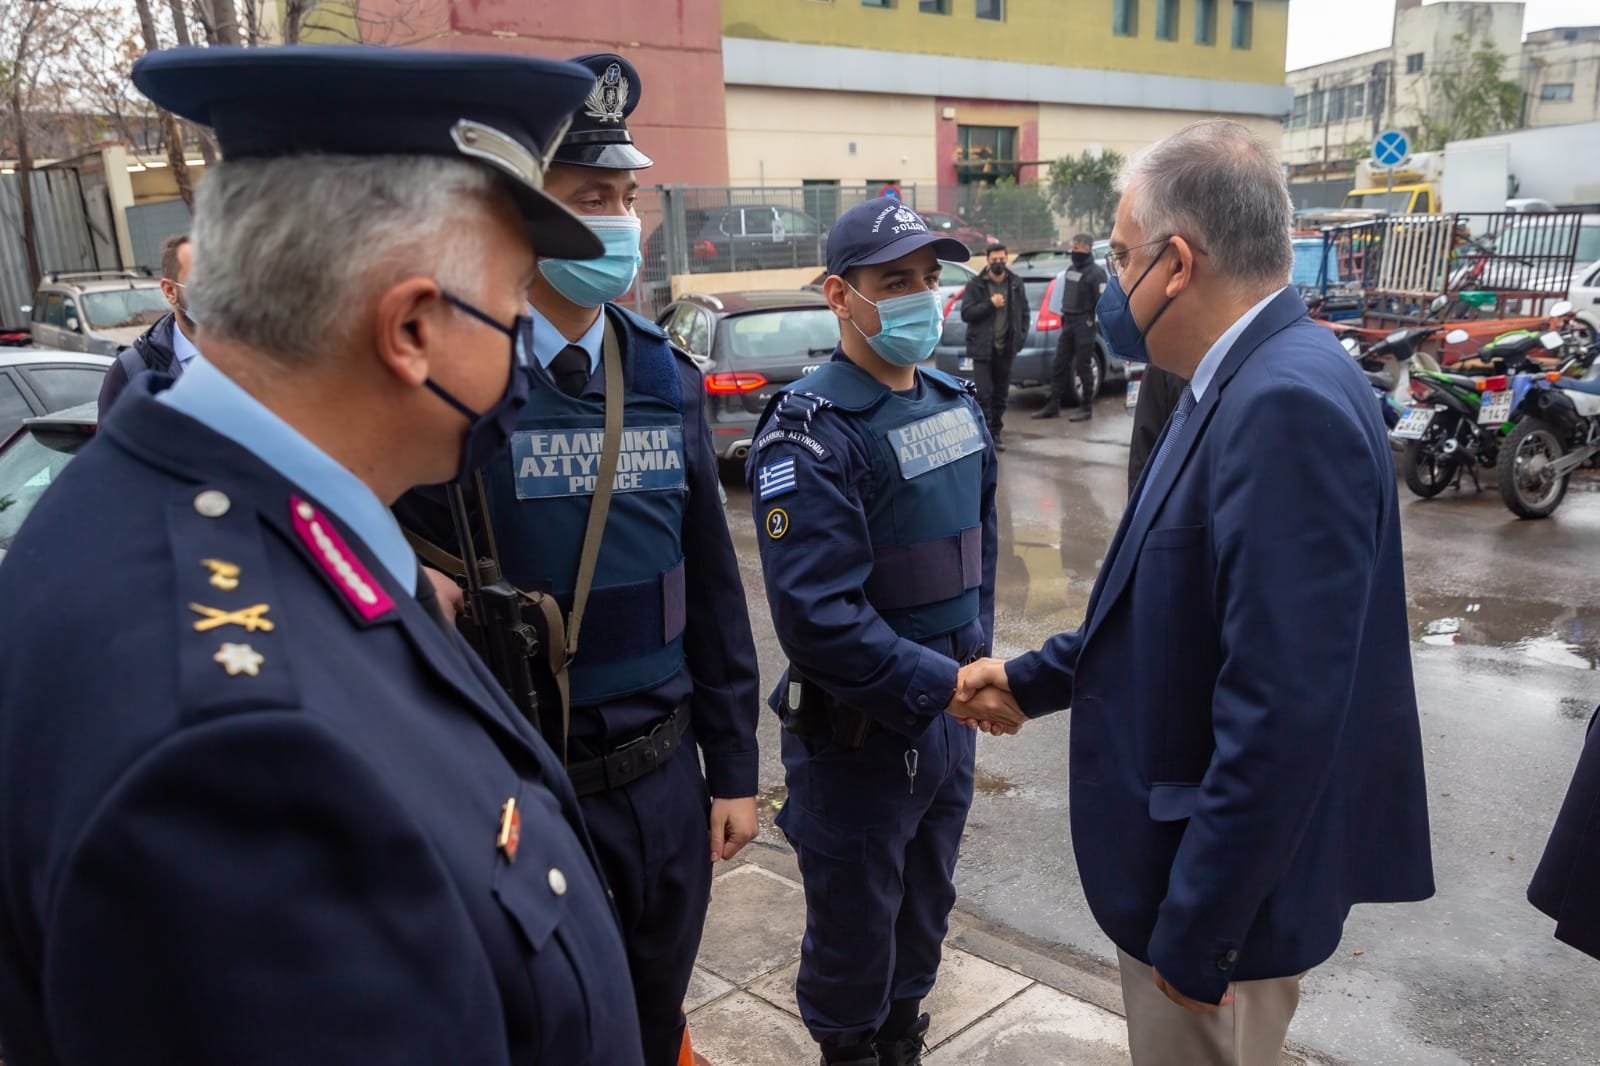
[{"x": 775, "y": 479}]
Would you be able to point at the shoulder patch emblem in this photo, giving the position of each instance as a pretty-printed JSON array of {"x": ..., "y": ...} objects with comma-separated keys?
[
  {"x": 777, "y": 478},
  {"x": 777, "y": 523},
  {"x": 333, "y": 555},
  {"x": 805, "y": 440}
]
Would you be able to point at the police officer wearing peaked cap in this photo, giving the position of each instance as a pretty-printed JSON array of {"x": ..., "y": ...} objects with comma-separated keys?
[
  {"x": 256, "y": 805},
  {"x": 665, "y": 661},
  {"x": 872, "y": 481}
]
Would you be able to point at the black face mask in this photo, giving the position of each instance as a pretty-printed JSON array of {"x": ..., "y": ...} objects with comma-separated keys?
[
  {"x": 488, "y": 431},
  {"x": 997, "y": 269},
  {"x": 1080, "y": 259}
]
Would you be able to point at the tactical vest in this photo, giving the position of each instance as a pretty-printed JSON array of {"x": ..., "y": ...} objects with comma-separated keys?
[
  {"x": 1078, "y": 294},
  {"x": 540, "y": 490},
  {"x": 924, "y": 510}
]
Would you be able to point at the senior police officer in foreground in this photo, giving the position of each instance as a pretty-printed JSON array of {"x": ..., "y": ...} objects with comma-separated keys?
[
  {"x": 873, "y": 486},
  {"x": 258, "y": 805},
  {"x": 665, "y": 661}
]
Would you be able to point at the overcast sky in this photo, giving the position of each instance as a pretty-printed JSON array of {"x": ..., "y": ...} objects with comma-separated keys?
[{"x": 1320, "y": 30}]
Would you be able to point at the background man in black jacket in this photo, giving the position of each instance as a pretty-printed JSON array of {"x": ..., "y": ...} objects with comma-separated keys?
[
  {"x": 995, "y": 309},
  {"x": 1079, "y": 286},
  {"x": 168, "y": 345}
]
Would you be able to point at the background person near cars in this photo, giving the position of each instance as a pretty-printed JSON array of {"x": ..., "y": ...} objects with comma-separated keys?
[
  {"x": 1080, "y": 284},
  {"x": 167, "y": 347},
  {"x": 995, "y": 309}
]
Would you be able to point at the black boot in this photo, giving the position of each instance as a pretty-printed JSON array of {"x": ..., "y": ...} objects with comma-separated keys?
[
  {"x": 1049, "y": 410},
  {"x": 853, "y": 1055},
  {"x": 905, "y": 1049},
  {"x": 1082, "y": 414}
]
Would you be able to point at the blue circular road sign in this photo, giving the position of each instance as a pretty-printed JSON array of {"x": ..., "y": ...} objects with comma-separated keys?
[{"x": 1390, "y": 149}]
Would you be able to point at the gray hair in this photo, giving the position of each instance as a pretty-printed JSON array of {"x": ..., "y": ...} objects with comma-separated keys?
[
  {"x": 1216, "y": 184},
  {"x": 285, "y": 250}
]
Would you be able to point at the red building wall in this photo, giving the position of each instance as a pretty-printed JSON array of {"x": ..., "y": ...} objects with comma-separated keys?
[{"x": 676, "y": 44}]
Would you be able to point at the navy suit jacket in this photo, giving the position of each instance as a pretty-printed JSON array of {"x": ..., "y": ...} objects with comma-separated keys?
[
  {"x": 1246, "y": 759},
  {"x": 201, "y": 863},
  {"x": 1566, "y": 886}
]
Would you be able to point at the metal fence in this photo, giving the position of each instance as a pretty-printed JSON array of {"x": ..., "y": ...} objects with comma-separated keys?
[
  {"x": 72, "y": 224},
  {"x": 1399, "y": 264}
]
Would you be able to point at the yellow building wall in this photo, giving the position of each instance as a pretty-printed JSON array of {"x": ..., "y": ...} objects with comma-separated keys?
[
  {"x": 782, "y": 136},
  {"x": 1067, "y": 33},
  {"x": 1067, "y": 130}
]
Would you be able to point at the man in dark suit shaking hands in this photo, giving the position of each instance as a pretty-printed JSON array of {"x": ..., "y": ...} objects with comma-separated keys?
[{"x": 1260, "y": 770}]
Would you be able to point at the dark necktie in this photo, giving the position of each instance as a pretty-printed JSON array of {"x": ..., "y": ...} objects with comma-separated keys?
[
  {"x": 1179, "y": 417},
  {"x": 570, "y": 369}
]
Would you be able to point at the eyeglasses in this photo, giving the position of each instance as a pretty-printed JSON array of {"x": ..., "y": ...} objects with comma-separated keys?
[{"x": 1117, "y": 262}]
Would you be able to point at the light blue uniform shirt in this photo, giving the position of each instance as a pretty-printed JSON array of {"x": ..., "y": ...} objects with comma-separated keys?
[
  {"x": 548, "y": 341},
  {"x": 210, "y": 397}
]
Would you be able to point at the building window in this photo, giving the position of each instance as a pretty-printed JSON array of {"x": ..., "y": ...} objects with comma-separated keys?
[
  {"x": 877, "y": 3},
  {"x": 1205, "y": 22},
  {"x": 1297, "y": 117},
  {"x": 993, "y": 10},
  {"x": 985, "y": 154},
  {"x": 1414, "y": 63},
  {"x": 1335, "y": 105},
  {"x": 1316, "y": 108},
  {"x": 1243, "y": 23},
  {"x": 1125, "y": 18},
  {"x": 1561, "y": 91},
  {"x": 1355, "y": 101},
  {"x": 934, "y": 7},
  {"x": 1167, "y": 20}
]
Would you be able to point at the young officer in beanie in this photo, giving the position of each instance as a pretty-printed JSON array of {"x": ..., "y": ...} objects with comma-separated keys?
[
  {"x": 872, "y": 481},
  {"x": 665, "y": 659}
]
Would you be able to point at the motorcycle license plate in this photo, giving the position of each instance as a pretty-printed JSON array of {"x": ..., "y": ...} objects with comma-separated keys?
[
  {"x": 1415, "y": 422},
  {"x": 965, "y": 364},
  {"x": 1133, "y": 393},
  {"x": 1495, "y": 408}
]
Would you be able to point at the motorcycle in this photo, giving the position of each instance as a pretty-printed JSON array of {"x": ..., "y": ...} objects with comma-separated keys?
[
  {"x": 1461, "y": 419},
  {"x": 1554, "y": 429}
]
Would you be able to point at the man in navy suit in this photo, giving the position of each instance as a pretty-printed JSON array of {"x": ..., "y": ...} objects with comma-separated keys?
[
  {"x": 257, "y": 803},
  {"x": 1246, "y": 760}
]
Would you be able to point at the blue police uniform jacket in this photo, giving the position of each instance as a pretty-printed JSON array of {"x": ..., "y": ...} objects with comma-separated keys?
[
  {"x": 256, "y": 806},
  {"x": 1566, "y": 885},
  {"x": 666, "y": 620},
  {"x": 875, "y": 515},
  {"x": 1246, "y": 758}
]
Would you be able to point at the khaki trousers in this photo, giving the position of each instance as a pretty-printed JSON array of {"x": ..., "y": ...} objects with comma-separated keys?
[{"x": 1249, "y": 1032}]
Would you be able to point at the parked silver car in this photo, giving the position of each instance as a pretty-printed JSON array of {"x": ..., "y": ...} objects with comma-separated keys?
[
  {"x": 36, "y": 382},
  {"x": 101, "y": 312}
]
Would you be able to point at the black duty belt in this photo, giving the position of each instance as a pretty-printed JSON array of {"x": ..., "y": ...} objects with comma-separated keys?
[{"x": 627, "y": 763}]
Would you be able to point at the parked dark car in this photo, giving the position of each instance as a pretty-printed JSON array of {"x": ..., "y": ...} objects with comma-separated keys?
[
  {"x": 1036, "y": 356},
  {"x": 36, "y": 381},
  {"x": 32, "y": 456},
  {"x": 744, "y": 237},
  {"x": 749, "y": 344},
  {"x": 959, "y": 228}
]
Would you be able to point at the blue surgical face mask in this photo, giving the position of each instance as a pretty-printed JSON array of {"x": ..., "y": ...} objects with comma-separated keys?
[
  {"x": 592, "y": 282},
  {"x": 908, "y": 326},
  {"x": 1114, "y": 313}
]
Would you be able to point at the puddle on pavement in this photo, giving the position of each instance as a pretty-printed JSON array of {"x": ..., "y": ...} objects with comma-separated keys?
[
  {"x": 992, "y": 784},
  {"x": 1547, "y": 633}
]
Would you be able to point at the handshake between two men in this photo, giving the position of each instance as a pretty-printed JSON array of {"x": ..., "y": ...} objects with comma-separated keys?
[{"x": 983, "y": 699}]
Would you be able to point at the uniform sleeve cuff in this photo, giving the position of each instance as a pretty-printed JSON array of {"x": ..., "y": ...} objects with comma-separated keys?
[
  {"x": 933, "y": 686},
  {"x": 732, "y": 774}
]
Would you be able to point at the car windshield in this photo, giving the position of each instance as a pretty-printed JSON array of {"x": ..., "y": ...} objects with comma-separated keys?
[
  {"x": 787, "y": 334},
  {"x": 1396, "y": 203},
  {"x": 952, "y": 274},
  {"x": 1549, "y": 240},
  {"x": 27, "y": 468},
  {"x": 121, "y": 308}
]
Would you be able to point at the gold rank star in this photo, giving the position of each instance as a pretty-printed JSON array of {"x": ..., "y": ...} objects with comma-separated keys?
[{"x": 239, "y": 659}]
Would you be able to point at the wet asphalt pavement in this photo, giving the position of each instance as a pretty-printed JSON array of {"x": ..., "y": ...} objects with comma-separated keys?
[{"x": 1505, "y": 618}]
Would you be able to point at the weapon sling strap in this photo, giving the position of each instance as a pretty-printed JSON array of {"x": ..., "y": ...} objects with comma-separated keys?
[{"x": 561, "y": 636}]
